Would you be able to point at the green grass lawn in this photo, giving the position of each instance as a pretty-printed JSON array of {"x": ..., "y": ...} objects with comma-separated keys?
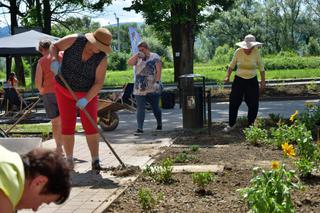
[
  {"x": 212, "y": 73},
  {"x": 33, "y": 128}
]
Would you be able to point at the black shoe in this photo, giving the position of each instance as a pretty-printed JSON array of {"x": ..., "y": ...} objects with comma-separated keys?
[
  {"x": 96, "y": 165},
  {"x": 159, "y": 128},
  {"x": 138, "y": 132}
]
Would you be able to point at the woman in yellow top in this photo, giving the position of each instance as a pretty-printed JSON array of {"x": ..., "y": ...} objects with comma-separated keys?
[{"x": 245, "y": 84}]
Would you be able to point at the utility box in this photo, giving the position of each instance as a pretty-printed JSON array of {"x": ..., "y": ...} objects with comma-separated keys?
[{"x": 192, "y": 101}]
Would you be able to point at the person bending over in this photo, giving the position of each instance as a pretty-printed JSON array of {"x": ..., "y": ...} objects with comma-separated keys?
[{"x": 27, "y": 181}]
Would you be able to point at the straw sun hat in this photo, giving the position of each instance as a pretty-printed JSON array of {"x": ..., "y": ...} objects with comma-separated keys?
[
  {"x": 101, "y": 38},
  {"x": 249, "y": 42}
]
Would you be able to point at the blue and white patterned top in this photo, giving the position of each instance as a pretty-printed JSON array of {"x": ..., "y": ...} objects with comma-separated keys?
[{"x": 145, "y": 73}]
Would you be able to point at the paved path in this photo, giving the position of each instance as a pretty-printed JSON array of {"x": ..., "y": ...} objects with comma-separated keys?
[{"x": 92, "y": 193}]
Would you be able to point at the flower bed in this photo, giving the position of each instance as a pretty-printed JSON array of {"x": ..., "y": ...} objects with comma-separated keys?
[{"x": 238, "y": 156}]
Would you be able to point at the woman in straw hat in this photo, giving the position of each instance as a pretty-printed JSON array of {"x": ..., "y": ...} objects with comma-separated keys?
[
  {"x": 245, "y": 84},
  {"x": 83, "y": 67}
]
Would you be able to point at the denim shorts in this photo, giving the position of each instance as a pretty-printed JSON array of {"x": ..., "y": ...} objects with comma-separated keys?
[{"x": 50, "y": 105}]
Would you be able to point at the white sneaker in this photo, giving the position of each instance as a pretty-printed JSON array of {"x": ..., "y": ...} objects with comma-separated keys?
[{"x": 228, "y": 128}]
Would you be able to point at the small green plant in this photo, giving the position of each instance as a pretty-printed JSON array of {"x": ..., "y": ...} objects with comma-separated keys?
[
  {"x": 147, "y": 200},
  {"x": 275, "y": 118},
  {"x": 194, "y": 148},
  {"x": 181, "y": 157},
  {"x": 242, "y": 121},
  {"x": 161, "y": 173},
  {"x": 293, "y": 134},
  {"x": 260, "y": 123},
  {"x": 202, "y": 179},
  {"x": 308, "y": 156},
  {"x": 312, "y": 86},
  {"x": 310, "y": 117},
  {"x": 254, "y": 135},
  {"x": 269, "y": 191}
]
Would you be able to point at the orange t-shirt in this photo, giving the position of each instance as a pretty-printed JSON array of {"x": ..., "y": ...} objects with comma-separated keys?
[{"x": 48, "y": 80}]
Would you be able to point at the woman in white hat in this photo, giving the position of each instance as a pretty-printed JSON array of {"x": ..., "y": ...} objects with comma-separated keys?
[
  {"x": 83, "y": 67},
  {"x": 245, "y": 84}
]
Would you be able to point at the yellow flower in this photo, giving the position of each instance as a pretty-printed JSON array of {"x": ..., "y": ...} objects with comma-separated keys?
[
  {"x": 275, "y": 165},
  {"x": 293, "y": 116},
  {"x": 288, "y": 150}
]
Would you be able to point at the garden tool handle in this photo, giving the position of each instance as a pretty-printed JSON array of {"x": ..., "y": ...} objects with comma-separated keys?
[{"x": 91, "y": 119}]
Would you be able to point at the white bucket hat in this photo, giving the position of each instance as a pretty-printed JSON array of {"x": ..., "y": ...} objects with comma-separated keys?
[{"x": 249, "y": 42}]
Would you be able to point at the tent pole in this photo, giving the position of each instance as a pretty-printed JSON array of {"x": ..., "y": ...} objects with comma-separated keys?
[
  {"x": 31, "y": 74},
  {"x": 8, "y": 66}
]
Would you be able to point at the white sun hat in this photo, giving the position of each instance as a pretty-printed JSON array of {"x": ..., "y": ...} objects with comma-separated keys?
[{"x": 249, "y": 42}]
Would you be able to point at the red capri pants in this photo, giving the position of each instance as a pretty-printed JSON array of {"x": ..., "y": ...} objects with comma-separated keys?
[{"x": 68, "y": 111}]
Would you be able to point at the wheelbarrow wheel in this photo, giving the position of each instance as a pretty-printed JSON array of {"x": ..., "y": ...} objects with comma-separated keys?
[{"x": 109, "y": 123}]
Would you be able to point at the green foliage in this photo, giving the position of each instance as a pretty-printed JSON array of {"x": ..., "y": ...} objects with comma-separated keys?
[
  {"x": 223, "y": 54},
  {"x": 71, "y": 25},
  {"x": 147, "y": 200},
  {"x": 118, "y": 61},
  {"x": 292, "y": 134},
  {"x": 167, "y": 14},
  {"x": 269, "y": 191},
  {"x": 194, "y": 148},
  {"x": 254, "y": 135},
  {"x": 310, "y": 117},
  {"x": 242, "y": 121},
  {"x": 290, "y": 62},
  {"x": 161, "y": 173},
  {"x": 312, "y": 86},
  {"x": 313, "y": 47},
  {"x": 125, "y": 43},
  {"x": 305, "y": 166},
  {"x": 308, "y": 153},
  {"x": 156, "y": 47},
  {"x": 202, "y": 179},
  {"x": 185, "y": 155},
  {"x": 275, "y": 118},
  {"x": 181, "y": 157}
]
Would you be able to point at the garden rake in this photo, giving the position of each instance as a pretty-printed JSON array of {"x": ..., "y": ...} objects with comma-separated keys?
[{"x": 92, "y": 121}]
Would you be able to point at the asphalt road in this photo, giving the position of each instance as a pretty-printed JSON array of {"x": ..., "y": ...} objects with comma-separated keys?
[{"x": 172, "y": 118}]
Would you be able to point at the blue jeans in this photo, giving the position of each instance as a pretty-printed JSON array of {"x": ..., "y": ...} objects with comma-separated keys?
[{"x": 153, "y": 99}]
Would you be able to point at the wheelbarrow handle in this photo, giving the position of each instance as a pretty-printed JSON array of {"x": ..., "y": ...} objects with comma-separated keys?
[{"x": 91, "y": 120}]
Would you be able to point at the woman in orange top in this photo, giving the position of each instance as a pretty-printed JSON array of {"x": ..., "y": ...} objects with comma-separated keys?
[{"x": 45, "y": 84}]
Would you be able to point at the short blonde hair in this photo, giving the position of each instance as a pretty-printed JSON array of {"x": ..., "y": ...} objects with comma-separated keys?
[
  {"x": 143, "y": 44},
  {"x": 44, "y": 44}
]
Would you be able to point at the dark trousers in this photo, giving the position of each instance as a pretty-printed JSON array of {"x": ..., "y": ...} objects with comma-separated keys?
[{"x": 247, "y": 89}]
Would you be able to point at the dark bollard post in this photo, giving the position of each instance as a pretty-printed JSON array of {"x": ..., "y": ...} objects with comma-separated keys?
[{"x": 209, "y": 112}]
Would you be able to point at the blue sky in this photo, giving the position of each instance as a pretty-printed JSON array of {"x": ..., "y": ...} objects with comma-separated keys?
[{"x": 105, "y": 18}]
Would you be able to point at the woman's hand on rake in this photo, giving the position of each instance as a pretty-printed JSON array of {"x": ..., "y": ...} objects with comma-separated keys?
[{"x": 82, "y": 103}]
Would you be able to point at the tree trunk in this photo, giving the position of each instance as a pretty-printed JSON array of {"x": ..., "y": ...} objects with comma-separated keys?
[
  {"x": 176, "y": 44},
  {"x": 47, "y": 17},
  {"x": 38, "y": 11},
  {"x": 14, "y": 10},
  {"x": 182, "y": 41}
]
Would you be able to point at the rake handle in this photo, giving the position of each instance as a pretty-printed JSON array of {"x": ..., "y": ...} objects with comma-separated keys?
[{"x": 91, "y": 120}]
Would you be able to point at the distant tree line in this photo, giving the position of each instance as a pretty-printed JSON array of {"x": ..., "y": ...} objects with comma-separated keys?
[
  {"x": 282, "y": 25},
  {"x": 181, "y": 31}
]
